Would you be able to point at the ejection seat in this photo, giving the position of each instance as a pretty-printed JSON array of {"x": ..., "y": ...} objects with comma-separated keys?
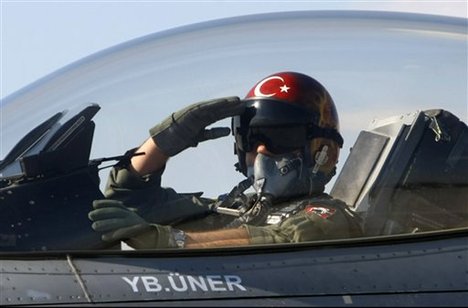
[{"x": 408, "y": 174}]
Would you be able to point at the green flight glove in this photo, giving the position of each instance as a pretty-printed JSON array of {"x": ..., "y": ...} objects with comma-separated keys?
[
  {"x": 186, "y": 128},
  {"x": 118, "y": 222}
]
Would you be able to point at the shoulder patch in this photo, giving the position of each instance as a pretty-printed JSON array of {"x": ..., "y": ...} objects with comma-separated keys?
[{"x": 321, "y": 211}]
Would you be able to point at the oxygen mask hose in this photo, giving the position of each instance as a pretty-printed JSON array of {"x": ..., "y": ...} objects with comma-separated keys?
[
  {"x": 258, "y": 213},
  {"x": 234, "y": 199},
  {"x": 253, "y": 211}
]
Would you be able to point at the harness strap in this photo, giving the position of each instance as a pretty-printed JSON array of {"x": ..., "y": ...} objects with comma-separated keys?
[{"x": 353, "y": 219}]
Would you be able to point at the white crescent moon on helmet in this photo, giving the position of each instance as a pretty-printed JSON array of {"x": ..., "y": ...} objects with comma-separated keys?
[{"x": 258, "y": 90}]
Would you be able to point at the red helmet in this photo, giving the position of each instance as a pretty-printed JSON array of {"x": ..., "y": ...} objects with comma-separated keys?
[{"x": 287, "y": 111}]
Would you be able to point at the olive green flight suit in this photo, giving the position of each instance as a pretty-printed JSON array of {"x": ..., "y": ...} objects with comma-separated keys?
[{"x": 311, "y": 218}]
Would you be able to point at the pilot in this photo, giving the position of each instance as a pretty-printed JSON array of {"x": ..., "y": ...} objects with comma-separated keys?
[{"x": 287, "y": 141}]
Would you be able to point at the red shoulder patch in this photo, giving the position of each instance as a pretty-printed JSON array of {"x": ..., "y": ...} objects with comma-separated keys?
[{"x": 321, "y": 211}]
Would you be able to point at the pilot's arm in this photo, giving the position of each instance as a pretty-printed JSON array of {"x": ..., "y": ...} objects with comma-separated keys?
[
  {"x": 183, "y": 129},
  {"x": 303, "y": 227},
  {"x": 151, "y": 161},
  {"x": 117, "y": 222},
  {"x": 219, "y": 238},
  {"x": 138, "y": 181}
]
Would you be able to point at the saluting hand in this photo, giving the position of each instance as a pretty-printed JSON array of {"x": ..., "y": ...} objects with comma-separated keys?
[{"x": 186, "y": 128}]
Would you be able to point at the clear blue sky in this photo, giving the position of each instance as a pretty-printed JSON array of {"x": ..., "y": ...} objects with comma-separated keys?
[{"x": 39, "y": 37}]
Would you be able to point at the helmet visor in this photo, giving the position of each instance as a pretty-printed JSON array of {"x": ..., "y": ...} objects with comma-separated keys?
[
  {"x": 278, "y": 139},
  {"x": 281, "y": 127}
]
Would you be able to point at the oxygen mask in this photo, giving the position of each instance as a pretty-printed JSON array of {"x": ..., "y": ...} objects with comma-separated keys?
[{"x": 279, "y": 176}]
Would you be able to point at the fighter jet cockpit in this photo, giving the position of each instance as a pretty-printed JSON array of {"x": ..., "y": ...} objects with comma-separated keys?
[{"x": 394, "y": 115}]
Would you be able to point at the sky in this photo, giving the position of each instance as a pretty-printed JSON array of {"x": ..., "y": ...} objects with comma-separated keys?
[{"x": 39, "y": 37}]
